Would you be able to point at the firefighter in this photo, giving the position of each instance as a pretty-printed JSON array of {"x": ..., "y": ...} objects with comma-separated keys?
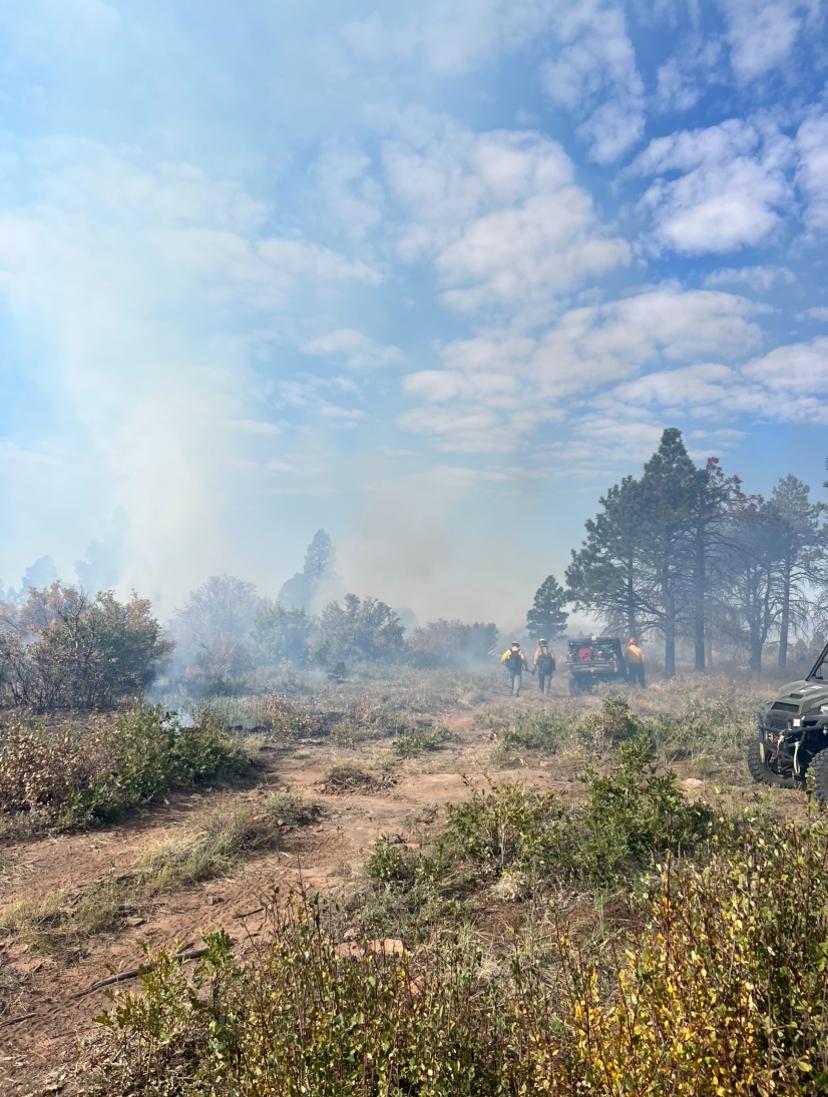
[
  {"x": 543, "y": 664},
  {"x": 634, "y": 657},
  {"x": 515, "y": 662}
]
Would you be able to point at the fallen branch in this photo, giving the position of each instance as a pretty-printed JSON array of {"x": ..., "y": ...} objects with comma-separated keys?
[
  {"x": 17, "y": 1020},
  {"x": 135, "y": 972}
]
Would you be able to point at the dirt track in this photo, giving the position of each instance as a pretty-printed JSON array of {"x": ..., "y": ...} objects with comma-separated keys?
[{"x": 324, "y": 856}]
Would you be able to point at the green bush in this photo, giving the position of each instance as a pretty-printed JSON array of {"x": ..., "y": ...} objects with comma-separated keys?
[
  {"x": 79, "y": 775},
  {"x": 719, "y": 989},
  {"x": 414, "y": 741},
  {"x": 631, "y": 816},
  {"x": 392, "y": 863},
  {"x": 508, "y": 826}
]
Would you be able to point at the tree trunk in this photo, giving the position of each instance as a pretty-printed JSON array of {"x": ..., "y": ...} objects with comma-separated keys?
[
  {"x": 785, "y": 618},
  {"x": 756, "y": 655},
  {"x": 700, "y": 591},
  {"x": 669, "y": 649},
  {"x": 631, "y": 616},
  {"x": 669, "y": 625}
]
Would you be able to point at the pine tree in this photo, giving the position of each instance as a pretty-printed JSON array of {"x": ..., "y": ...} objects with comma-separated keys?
[
  {"x": 604, "y": 573},
  {"x": 547, "y": 617},
  {"x": 319, "y": 559},
  {"x": 750, "y": 608},
  {"x": 316, "y": 581},
  {"x": 716, "y": 499},
  {"x": 669, "y": 492},
  {"x": 802, "y": 555}
]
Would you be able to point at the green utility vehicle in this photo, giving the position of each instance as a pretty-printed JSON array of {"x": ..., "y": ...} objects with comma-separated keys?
[
  {"x": 595, "y": 659},
  {"x": 793, "y": 734}
]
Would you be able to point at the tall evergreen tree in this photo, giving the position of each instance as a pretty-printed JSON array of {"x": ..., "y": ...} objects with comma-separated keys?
[
  {"x": 716, "y": 499},
  {"x": 669, "y": 492},
  {"x": 547, "y": 617},
  {"x": 800, "y": 543},
  {"x": 750, "y": 608},
  {"x": 604, "y": 573},
  {"x": 316, "y": 581}
]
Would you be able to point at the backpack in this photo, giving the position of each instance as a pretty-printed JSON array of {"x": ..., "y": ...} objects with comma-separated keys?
[{"x": 514, "y": 662}]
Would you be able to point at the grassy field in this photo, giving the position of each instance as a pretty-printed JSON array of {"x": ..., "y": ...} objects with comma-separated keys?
[{"x": 415, "y": 886}]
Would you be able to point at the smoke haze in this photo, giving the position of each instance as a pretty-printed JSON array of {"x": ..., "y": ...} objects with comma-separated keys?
[{"x": 275, "y": 268}]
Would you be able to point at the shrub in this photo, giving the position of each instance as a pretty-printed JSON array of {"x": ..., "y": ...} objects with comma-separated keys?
[
  {"x": 351, "y": 779},
  {"x": 291, "y": 809},
  {"x": 508, "y": 825},
  {"x": 414, "y": 741},
  {"x": 630, "y": 818},
  {"x": 59, "y": 650},
  {"x": 632, "y": 815},
  {"x": 719, "y": 988},
  {"x": 82, "y": 775},
  {"x": 358, "y": 631},
  {"x": 392, "y": 863}
]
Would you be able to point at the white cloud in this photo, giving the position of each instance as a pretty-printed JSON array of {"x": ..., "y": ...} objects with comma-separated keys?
[
  {"x": 705, "y": 384},
  {"x": 683, "y": 79},
  {"x": 260, "y": 427},
  {"x": 499, "y": 213},
  {"x": 729, "y": 191},
  {"x": 298, "y": 257},
  {"x": 760, "y": 279},
  {"x": 473, "y": 430},
  {"x": 451, "y": 36},
  {"x": 354, "y": 348},
  {"x": 594, "y": 75},
  {"x": 799, "y": 368},
  {"x": 497, "y": 390},
  {"x": 440, "y": 386},
  {"x": 820, "y": 314},
  {"x": 347, "y": 189},
  {"x": 812, "y": 170},
  {"x": 762, "y": 33},
  {"x": 787, "y": 384}
]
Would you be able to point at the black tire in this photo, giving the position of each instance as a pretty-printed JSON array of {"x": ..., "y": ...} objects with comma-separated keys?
[
  {"x": 762, "y": 773},
  {"x": 819, "y": 774}
]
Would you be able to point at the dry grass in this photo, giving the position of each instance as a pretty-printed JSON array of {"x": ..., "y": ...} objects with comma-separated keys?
[{"x": 61, "y": 922}]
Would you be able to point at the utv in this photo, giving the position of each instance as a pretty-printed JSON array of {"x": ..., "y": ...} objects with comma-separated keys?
[
  {"x": 793, "y": 735},
  {"x": 597, "y": 659}
]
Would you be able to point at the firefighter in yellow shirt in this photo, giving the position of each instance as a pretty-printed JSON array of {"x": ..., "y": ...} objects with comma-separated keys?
[
  {"x": 544, "y": 665},
  {"x": 634, "y": 657},
  {"x": 515, "y": 662}
]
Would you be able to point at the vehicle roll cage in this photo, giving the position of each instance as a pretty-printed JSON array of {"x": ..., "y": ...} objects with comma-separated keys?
[{"x": 815, "y": 674}]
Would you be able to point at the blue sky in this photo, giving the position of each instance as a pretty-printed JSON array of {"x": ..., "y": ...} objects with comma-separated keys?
[{"x": 431, "y": 275}]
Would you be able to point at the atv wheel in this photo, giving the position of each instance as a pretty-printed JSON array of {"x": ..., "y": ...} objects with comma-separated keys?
[
  {"x": 761, "y": 771},
  {"x": 819, "y": 771}
]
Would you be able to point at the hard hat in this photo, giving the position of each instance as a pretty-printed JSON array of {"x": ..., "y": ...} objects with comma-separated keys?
[
  {"x": 515, "y": 644},
  {"x": 542, "y": 640}
]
